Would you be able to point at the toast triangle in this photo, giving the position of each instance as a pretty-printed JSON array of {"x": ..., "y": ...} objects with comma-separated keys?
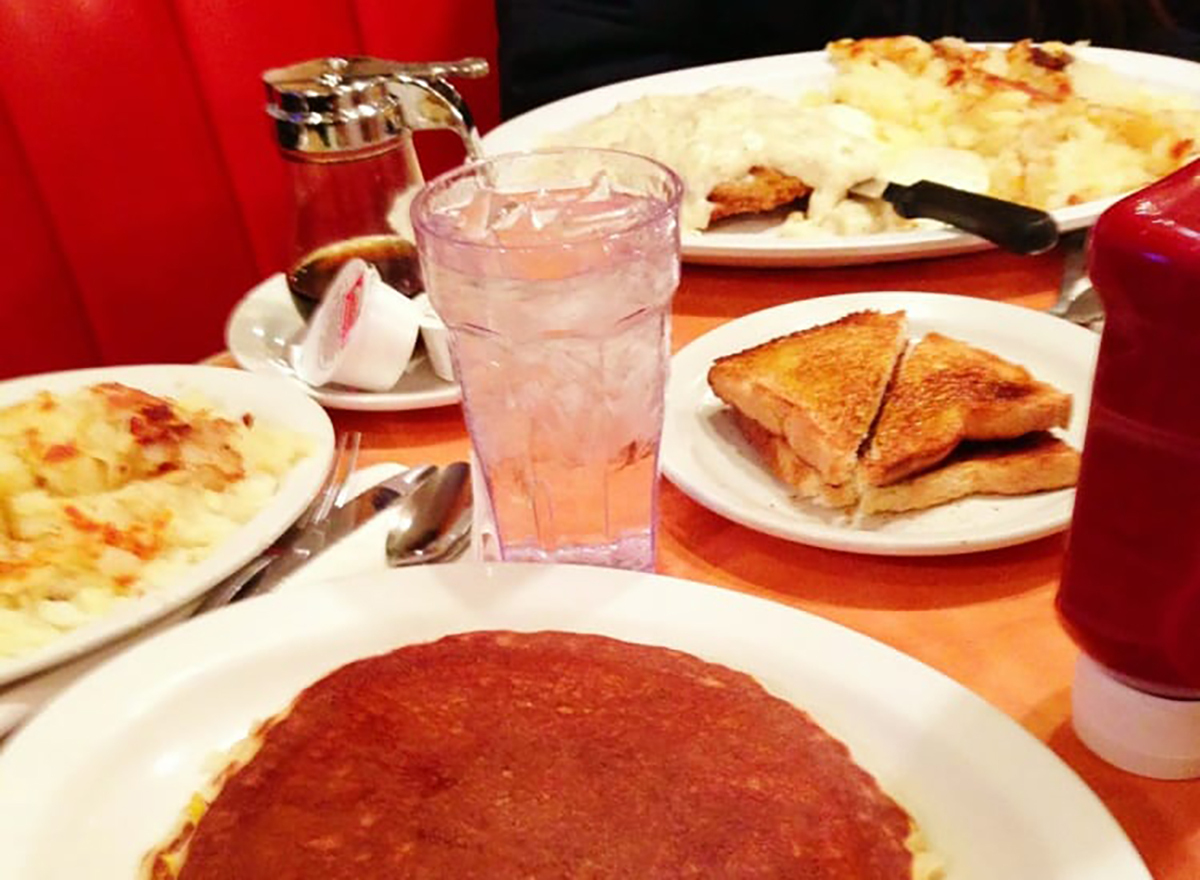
[
  {"x": 819, "y": 389},
  {"x": 945, "y": 392},
  {"x": 1036, "y": 462}
]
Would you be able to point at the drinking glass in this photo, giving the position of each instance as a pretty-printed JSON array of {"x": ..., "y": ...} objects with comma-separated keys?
[{"x": 554, "y": 271}]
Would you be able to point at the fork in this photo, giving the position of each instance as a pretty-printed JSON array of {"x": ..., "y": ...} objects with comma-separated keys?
[
  {"x": 1074, "y": 271},
  {"x": 301, "y": 540}
]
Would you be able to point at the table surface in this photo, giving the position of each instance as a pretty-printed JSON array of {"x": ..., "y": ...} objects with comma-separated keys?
[{"x": 986, "y": 619}]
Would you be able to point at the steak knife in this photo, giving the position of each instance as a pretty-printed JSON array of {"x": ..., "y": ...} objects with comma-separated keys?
[{"x": 1017, "y": 228}]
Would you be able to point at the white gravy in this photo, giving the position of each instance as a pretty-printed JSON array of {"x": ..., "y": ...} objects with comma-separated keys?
[{"x": 717, "y": 136}]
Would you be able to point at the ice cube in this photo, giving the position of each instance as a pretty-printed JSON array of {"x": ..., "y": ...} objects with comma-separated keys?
[
  {"x": 474, "y": 216},
  {"x": 512, "y": 216},
  {"x": 544, "y": 216},
  {"x": 600, "y": 189}
]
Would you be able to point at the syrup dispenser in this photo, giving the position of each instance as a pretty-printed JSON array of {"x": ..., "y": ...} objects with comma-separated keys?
[{"x": 345, "y": 127}]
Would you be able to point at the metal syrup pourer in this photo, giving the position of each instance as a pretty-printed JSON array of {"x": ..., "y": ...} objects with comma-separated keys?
[
  {"x": 340, "y": 105},
  {"x": 345, "y": 128}
]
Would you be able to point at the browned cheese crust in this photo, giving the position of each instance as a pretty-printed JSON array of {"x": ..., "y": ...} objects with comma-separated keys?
[
  {"x": 947, "y": 391},
  {"x": 507, "y": 755},
  {"x": 1042, "y": 72},
  {"x": 1039, "y": 71},
  {"x": 819, "y": 388}
]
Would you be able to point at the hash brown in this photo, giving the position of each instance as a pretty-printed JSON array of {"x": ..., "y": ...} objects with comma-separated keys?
[{"x": 108, "y": 490}]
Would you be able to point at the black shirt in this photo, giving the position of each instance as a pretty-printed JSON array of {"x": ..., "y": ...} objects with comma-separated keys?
[{"x": 553, "y": 48}]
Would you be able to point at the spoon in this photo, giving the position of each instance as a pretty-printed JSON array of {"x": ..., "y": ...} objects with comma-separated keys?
[
  {"x": 445, "y": 547},
  {"x": 425, "y": 514}
]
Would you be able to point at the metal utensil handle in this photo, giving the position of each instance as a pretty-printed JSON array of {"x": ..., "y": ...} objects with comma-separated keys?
[
  {"x": 224, "y": 593},
  {"x": 1074, "y": 271},
  {"x": 429, "y": 102},
  {"x": 341, "y": 466},
  {"x": 467, "y": 68},
  {"x": 1016, "y": 228}
]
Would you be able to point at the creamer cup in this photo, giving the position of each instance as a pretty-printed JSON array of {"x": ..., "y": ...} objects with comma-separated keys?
[
  {"x": 436, "y": 338},
  {"x": 362, "y": 334}
]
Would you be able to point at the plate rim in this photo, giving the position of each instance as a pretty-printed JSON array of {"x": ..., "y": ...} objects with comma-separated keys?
[
  {"x": 269, "y": 293},
  {"x": 299, "y": 487},
  {"x": 731, "y": 248},
  {"x": 843, "y": 538},
  {"x": 886, "y": 676}
]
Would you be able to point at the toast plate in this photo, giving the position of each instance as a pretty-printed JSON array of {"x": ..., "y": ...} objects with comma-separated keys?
[
  {"x": 264, "y": 323},
  {"x": 992, "y": 800},
  {"x": 705, "y": 456},
  {"x": 756, "y": 242},
  {"x": 229, "y": 391}
]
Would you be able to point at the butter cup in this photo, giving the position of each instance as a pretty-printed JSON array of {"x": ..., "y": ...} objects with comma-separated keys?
[
  {"x": 436, "y": 338},
  {"x": 362, "y": 335}
]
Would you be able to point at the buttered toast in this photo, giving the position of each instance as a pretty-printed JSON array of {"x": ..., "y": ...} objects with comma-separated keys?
[
  {"x": 790, "y": 469},
  {"x": 845, "y": 420},
  {"x": 818, "y": 389},
  {"x": 945, "y": 392},
  {"x": 1033, "y": 463}
]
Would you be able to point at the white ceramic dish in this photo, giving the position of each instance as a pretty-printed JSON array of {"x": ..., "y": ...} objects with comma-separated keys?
[
  {"x": 755, "y": 243},
  {"x": 232, "y": 391},
  {"x": 264, "y": 323},
  {"x": 993, "y": 800},
  {"x": 359, "y": 553},
  {"x": 706, "y": 457}
]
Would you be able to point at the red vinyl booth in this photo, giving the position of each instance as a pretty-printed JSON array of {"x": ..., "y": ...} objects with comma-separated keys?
[{"x": 141, "y": 189}]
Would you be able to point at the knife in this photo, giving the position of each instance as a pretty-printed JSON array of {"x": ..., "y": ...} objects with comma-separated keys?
[
  {"x": 342, "y": 521},
  {"x": 1016, "y": 228},
  {"x": 369, "y": 503},
  {"x": 299, "y": 546}
]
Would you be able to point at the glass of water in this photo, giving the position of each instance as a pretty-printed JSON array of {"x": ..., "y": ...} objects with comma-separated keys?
[{"x": 554, "y": 271}]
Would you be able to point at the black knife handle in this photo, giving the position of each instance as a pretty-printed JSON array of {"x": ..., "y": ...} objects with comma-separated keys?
[{"x": 1016, "y": 228}]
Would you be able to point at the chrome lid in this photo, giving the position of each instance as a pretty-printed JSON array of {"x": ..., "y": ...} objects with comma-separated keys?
[{"x": 338, "y": 105}]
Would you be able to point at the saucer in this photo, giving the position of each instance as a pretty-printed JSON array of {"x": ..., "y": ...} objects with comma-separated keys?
[{"x": 264, "y": 324}]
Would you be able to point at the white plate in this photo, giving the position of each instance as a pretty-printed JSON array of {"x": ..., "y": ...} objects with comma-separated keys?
[
  {"x": 755, "y": 243},
  {"x": 265, "y": 322},
  {"x": 704, "y": 455},
  {"x": 233, "y": 391},
  {"x": 993, "y": 800},
  {"x": 360, "y": 552}
]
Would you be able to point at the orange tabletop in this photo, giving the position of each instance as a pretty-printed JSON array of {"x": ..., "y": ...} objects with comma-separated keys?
[{"x": 986, "y": 619}]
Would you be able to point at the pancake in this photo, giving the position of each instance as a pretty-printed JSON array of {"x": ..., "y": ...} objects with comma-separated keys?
[{"x": 549, "y": 754}]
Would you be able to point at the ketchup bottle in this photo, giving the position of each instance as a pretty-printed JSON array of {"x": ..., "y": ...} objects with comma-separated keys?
[{"x": 1130, "y": 589}]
